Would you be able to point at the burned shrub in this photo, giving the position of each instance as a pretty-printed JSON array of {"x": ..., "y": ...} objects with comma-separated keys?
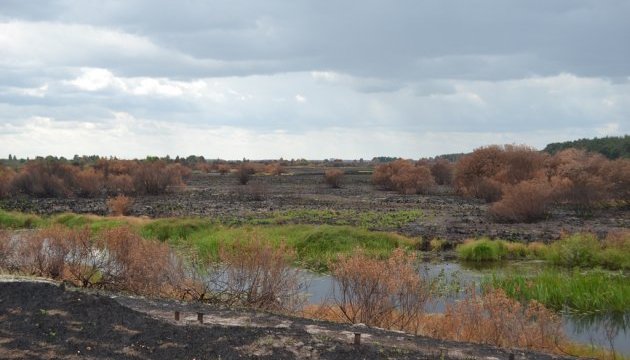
[
  {"x": 333, "y": 178},
  {"x": 119, "y": 205},
  {"x": 404, "y": 176},
  {"x": 442, "y": 171},
  {"x": 6, "y": 180},
  {"x": 156, "y": 177},
  {"x": 244, "y": 173},
  {"x": 482, "y": 173},
  {"x": 579, "y": 179},
  {"x": 526, "y": 201}
]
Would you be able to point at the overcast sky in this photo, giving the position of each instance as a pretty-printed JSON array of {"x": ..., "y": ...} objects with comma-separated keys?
[{"x": 308, "y": 79}]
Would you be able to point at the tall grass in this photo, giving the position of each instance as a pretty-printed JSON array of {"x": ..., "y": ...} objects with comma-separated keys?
[
  {"x": 16, "y": 220},
  {"x": 579, "y": 292},
  {"x": 485, "y": 249},
  {"x": 582, "y": 250}
]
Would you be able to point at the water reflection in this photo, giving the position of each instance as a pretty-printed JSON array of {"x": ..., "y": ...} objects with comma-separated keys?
[{"x": 598, "y": 329}]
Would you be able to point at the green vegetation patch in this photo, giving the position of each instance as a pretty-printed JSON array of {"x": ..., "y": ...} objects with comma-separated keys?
[
  {"x": 315, "y": 246},
  {"x": 16, "y": 220},
  {"x": 364, "y": 219},
  {"x": 580, "y": 292},
  {"x": 578, "y": 250}
]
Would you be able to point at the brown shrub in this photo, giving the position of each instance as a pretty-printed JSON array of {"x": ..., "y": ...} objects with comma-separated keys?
[
  {"x": 482, "y": 173},
  {"x": 156, "y": 177},
  {"x": 442, "y": 171},
  {"x": 41, "y": 253},
  {"x": 89, "y": 183},
  {"x": 526, "y": 201},
  {"x": 275, "y": 169},
  {"x": 203, "y": 167},
  {"x": 6, "y": 180},
  {"x": 223, "y": 169},
  {"x": 617, "y": 175},
  {"x": 119, "y": 184},
  {"x": 40, "y": 180},
  {"x": 381, "y": 293},
  {"x": 333, "y": 178},
  {"x": 119, "y": 205},
  {"x": 137, "y": 265},
  {"x": 579, "y": 178},
  {"x": 259, "y": 275},
  {"x": 404, "y": 177},
  {"x": 244, "y": 173},
  {"x": 496, "y": 319}
]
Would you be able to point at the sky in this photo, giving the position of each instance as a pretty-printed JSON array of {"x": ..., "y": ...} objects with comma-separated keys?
[{"x": 308, "y": 79}]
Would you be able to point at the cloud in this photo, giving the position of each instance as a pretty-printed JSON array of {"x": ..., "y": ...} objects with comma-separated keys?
[{"x": 275, "y": 77}]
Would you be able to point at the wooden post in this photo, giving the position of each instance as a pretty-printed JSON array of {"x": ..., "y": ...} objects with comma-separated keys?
[
  {"x": 200, "y": 318},
  {"x": 357, "y": 338},
  {"x": 443, "y": 353},
  {"x": 176, "y": 315}
]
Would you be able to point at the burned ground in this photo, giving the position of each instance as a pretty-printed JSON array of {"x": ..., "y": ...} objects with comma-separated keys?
[
  {"x": 443, "y": 214},
  {"x": 40, "y": 320}
]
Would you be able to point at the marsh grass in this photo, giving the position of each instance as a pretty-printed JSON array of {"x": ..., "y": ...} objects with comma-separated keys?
[
  {"x": 581, "y": 250},
  {"x": 576, "y": 291}
]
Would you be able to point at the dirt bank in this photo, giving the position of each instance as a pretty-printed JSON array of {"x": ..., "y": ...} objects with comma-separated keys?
[{"x": 39, "y": 320}]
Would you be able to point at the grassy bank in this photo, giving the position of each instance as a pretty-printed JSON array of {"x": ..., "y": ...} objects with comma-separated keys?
[
  {"x": 315, "y": 245},
  {"x": 578, "y": 250},
  {"x": 580, "y": 292}
]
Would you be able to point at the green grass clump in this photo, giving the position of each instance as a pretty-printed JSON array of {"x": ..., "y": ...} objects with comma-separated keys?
[
  {"x": 17, "y": 220},
  {"x": 481, "y": 250},
  {"x": 586, "y": 250},
  {"x": 174, "y": 228},
  {"x": 577, "y": 250},
  {"x": 581, "y": 292}
]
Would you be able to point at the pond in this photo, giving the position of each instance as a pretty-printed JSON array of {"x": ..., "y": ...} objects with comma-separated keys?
[{"x": 591, "y": 330}]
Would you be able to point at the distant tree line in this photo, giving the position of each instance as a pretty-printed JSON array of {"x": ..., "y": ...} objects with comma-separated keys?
[{"x": 612, "y": 147}]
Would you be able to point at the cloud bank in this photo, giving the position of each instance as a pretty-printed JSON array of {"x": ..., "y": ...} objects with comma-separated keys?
[{"x": 313, "y": 79}]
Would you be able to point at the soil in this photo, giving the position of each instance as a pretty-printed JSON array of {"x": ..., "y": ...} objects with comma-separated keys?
[
  {"x": 43, "y": 320},
  {"x": 446, "y": 215}
]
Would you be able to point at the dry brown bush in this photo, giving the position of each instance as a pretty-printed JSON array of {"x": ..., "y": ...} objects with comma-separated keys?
[
  {"x": 89, "y": 183},
  {"x": 119, "y": 205},
  {"x": 404, "y": 177},
  {"x": 119, "y": 184},
  {"x": 387, "y": 293},
  {"x": 137, "y": 265},
  {"x": 156, "y": 177},
  {"x": 617, "y": 175},
  {"x": 496, "y": 319},
  {"x": 203, "y": 167},
  {"x": 579, "y": 178},
  {"x": 223, "y": 169},
  {"x": 526, "y": 201},
  {"x": 275, "y": 169},
  {"x": 333, "y": 177},
  {"x": 259, "y": 275},
  {"x": 482, "y": 173},
  {"x": 39, "y": 180},
  {"x": 244, "y": 173},
  {"x": 6, "y": 179},
  {"x": 40, "y": 253},
  {"x": 442, "y": 171}
]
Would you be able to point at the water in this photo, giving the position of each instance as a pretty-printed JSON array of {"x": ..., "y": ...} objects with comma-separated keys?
[{"x": 592, "y": 330}]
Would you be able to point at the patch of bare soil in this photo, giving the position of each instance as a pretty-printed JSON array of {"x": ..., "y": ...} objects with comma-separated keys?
[
  {"x": 40, "y": 320},
  {"x": 446, "y": 216}
]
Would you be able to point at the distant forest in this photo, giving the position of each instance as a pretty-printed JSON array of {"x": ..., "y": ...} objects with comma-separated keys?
[{"x": 612, "y": 147}]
